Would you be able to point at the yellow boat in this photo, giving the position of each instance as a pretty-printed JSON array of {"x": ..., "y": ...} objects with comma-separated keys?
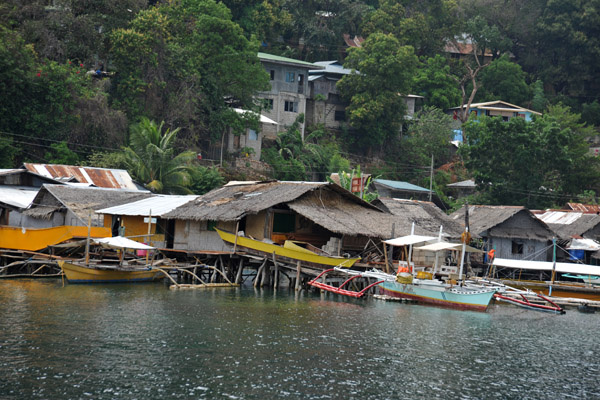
[
  {"x": 81, "y": 273},
  {"x": 102, "y": 271},
  {"x": 290, "y": 250}
]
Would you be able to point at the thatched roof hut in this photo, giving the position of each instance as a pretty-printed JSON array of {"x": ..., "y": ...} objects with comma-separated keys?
[
  {"x": 505, "y": 222},
  {"x": 325, "y": 204},
  {"x": 513, "y": 231},
  {"x": 78, "y": 202},
  {"x": 426, "y": 216}
]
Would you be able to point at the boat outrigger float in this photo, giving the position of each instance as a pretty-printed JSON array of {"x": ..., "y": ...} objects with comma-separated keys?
[{"x": 340, "y": 289}]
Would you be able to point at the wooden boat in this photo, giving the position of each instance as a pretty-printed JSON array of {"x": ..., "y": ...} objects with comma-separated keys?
[
  {"x": 291, "y": 251},
  {"x": 119, "y": 270},
  {"x": 436, "y": 292},
  {"x": 102, "y": 273}
]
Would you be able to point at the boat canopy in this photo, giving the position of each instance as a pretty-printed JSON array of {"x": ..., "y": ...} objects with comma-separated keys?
[
  {"x": 408, "y": 240},
  {"x": 120, "y": 242},
  {"x": 570, "y": 268},
  {"x": 441, "y": 246}
]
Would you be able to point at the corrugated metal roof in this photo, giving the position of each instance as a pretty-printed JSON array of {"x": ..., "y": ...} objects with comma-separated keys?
[
  {"x": 400, "y": 185},
  {"x": 155, "y": 206},
  {"x": 585, "y": 208},
  {"x": 100, "y": 177},
  {"x": 559, "y": 217},
  {"x": 17, "y": 196},
  {"x": 469, "y": 183},
  {"x": 279, "y": 59}
]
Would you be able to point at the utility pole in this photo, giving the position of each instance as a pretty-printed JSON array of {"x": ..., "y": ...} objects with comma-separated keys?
[{"x": 431, "y": 180}]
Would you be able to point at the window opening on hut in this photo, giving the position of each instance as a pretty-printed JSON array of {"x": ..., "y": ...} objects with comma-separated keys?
[
  {"x": 517, "y": 248},
  {"x": 284, "y": 222},
  {"x": 211, "y": 225}
]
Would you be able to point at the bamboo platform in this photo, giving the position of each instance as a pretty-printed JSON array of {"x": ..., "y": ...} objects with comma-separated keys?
[{"x": 202, "y": 286}]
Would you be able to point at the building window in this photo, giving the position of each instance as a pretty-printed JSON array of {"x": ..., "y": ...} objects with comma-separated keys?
[
  {"x": 267, "y": 104},
  {"x": 505, "y": 119},
  {"x": 252, "y": 135},
  {"x": 272, "y": 74},
  {"x": 291, "y": 106},
  {"x": 517, "y": 248},
  {"x": 340, "y": 115},
  {"x": 290, "y": 77}
]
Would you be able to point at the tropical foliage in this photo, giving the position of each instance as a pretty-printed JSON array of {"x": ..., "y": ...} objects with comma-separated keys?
[
  {"x": 153, "y": 161},
  {"x": 188, "y": 62}
]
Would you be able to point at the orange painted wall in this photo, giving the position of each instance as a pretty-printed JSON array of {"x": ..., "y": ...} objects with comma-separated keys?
[{"x": 33, "y": 239}]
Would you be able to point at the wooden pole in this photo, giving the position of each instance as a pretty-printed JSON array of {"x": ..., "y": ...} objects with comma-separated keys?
[
  {"x": 238, "y": 277},
  {"x": 149, "y": 230},
  {"x": 298, "y": 272},
  {"x": 259, "y": 272},
  {"x": 87, "y": 242},
  {"x": 237, "y": 225},
  {"x": 387, "y": 266},
  {"x": 276, "y": 273}
]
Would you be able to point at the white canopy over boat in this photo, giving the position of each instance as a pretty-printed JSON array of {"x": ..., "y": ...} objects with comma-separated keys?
[
  {"x": 570, "y": 268},
  {"x": 120, "y": 242},
  {"x": 408, "y": 240},
  {"x": 441, "y": 246}
]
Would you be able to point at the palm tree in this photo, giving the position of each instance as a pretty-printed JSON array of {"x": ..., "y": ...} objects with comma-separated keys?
[{"x": 151, "y": 158}]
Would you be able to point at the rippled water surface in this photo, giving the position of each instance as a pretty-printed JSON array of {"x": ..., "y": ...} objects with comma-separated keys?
[{"x": 147, "y": 342}]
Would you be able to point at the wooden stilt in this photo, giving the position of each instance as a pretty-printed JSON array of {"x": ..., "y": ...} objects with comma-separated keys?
[
  {"x": 259, "y": 273},
  {"x": 238, "y": 277},
  {"x": 298, "y": 272},
  {"x": 276, "y": 273}
]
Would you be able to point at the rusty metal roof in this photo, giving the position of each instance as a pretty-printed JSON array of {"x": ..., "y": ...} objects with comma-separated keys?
[
  {"x": 584, "y": 208},
  {"x": 100, "y": 177}
]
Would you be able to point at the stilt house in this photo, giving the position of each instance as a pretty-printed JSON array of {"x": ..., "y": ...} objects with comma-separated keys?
[
  {"x": 322, "y": 214},
  {"x": 513, "y": 231}
]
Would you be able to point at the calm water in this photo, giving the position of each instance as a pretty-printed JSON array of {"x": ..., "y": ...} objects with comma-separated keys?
[{"x": 147, "y": 342}]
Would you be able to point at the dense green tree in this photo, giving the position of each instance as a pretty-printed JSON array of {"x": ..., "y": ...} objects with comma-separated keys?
[
  {"x": 535, "y": 164},
  {"x": 504, "y": 80},
  {"x": 317, "y": 27},
  {"x": 44, "y": 102},
  {"x": 382, "y": 72},
  {"x": 205, "y": 179},
  {"x": 429, "y": 135},
  {"x": 313, "y": 157},
  {"x": 151, "y": 158},
  {"x": 183, "y": 62},
  {"x": 425, "y": 25},
  {"x": 539, "y": 101},
  {"x": 434, "y": 82},
  {"x": 64, "y": 30}
]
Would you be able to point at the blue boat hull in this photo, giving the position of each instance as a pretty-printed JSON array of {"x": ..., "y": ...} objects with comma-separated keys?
[{"x": 440, "y": 295}]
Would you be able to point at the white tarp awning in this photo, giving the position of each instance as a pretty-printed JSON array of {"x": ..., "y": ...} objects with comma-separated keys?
[
  {"x": 562, "y": 267},
  {"x": 408, "y": 240},
  {"x": 120, "y": 242},
  {"x": 440, "y": 246},
  {"x": 263, "y": 119},
  {"x": 584, "y": 244}
]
